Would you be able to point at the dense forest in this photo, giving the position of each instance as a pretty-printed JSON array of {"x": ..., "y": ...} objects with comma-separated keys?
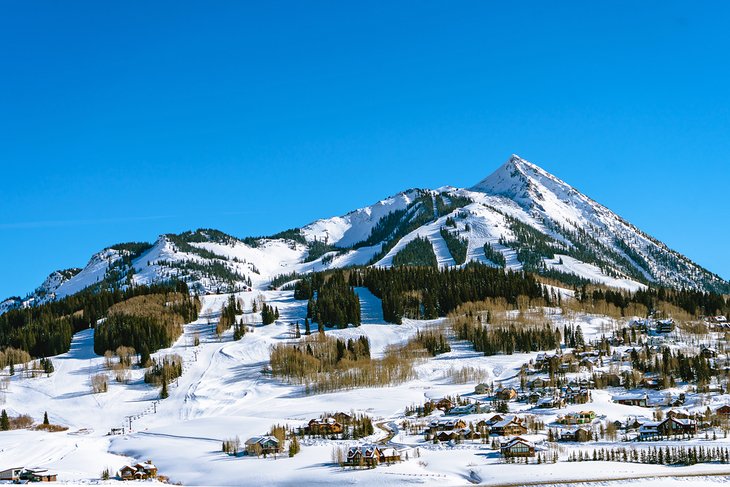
[
  {"x": 494, "y": 255},
  {"x": 496, "y": 339},
  {"x": 695, "y": 303},
  {"x": 416, "y": 253},
  {"x": 422, "y": 292},
  {"x": 335, "y": 302},
  {"x": 457, "y": 245},
  {"x": 145, "y": 323},
  {"x": 46, "y": 329},
  {"x": 332, "y": 301}
]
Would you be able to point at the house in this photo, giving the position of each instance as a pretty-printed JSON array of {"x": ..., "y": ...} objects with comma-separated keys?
[
  {"x": 38, "y": 475},
  {"x": 580, "y": 396},
  {"x": 390, "y": 455},
  {"x": 508, "y": 426},
  {"x": 679, "y": 414},
  {"x": 590, "y": 362},
  {"x": 665, "y": 326},
  {"x": 538, "y": 383},
  {"x": 723, "y": 410},
  {"x": 148, "y": 468},
  {"x": 675, "y": 427},
  {"x": 342, "y": 418},
  {"x": 365, "y": 455},
  {"x": 639, "y": 324},
  {"x": 634, "y": 424},
  {"x": 127, "y": 472},
  {"x": 578, "y": 434},
  {"x": 140, "y": 471},
  {"x": 505, "y": 394},
  {"x": 442, "y": 404},
  {"x": 551, "y": 402},
  {"x": 708, "y": 352},
  {"x": 464, "y": 410},
  {"x": 324, "y": 426},
  {"x": 262, "y": 445},
  {"x": 533, "y": 397},
  {"x": 668, "y": 427},
  {"x": 444, "y": 424},
  {"x": 651, "y": 382},
  {"x": 11, "y": 474},
  {"x": 494, "y": 419},
  {"x": 649, "y": 430},
  {"x": 481, "y": 389},
  {"x": 640, "y": 399},
  {"x": 581, "y": 417},
  {"x": 517, "y": 447},
  {"x": 455, "y": 435}
]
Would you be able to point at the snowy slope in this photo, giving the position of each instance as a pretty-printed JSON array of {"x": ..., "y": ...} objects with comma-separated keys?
[
  {"x": 549, "y": 199},
  {"x": 511, "y": 209},
  {"x": 347, "y": 230}
]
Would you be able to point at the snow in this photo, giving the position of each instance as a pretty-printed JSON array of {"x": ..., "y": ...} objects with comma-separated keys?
[
  {"x": 224, "y": 393},
  {"x": 356, "y": 226}
]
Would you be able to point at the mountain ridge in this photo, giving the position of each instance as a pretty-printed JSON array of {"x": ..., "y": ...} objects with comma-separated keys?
[{"x": 534, "y": 220}]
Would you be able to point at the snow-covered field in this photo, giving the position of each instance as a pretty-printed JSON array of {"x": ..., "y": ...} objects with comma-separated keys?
[{"x": 223, "y": 393}]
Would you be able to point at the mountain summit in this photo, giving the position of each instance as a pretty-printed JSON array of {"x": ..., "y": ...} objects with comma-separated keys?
[{"x": 520, "y": 217}]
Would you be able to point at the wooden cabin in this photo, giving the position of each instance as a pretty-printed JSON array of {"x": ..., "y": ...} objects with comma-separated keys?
[
  {"x": 578, "y": 434},
  {"x": 262, "y": 445},
  {"x": 517, "y": 447},
  {"x": 366, "y": 455},
  {"x": 508, "y": 426}
]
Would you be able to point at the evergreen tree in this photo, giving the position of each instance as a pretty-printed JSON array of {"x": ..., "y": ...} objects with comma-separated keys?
[
  {"x": 4, "y": 421},
  {"x": 163, "y": 392},
  {"x": 45, "y": 418},
  {"x": 307, "y": 331}
]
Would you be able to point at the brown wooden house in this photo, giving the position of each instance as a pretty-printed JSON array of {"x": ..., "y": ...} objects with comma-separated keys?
[
  {"x": 139, "y": 471},
  {"x": 508, "y": 426},
  {"x": 262, "y": 445},
  {"x": 517, "y": 447},
  {"x": 366, "y": 456},
  {"x": 325, "y": 426},
  {"x": 505, "y": 394},
  {"x": 578, "y": 434}
]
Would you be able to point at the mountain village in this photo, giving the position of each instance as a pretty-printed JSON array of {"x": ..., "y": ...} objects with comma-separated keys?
[{"x": 448, "y": 337}]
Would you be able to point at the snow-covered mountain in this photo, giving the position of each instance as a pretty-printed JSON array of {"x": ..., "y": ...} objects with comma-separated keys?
[{"x": 529, "y": 218}]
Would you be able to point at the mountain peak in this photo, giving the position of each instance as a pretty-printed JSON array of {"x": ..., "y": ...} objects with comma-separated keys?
[{"x": 510, "y": 179}]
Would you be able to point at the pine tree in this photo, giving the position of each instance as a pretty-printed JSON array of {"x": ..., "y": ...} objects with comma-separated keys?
[
  {"x": 307, "y": 331},
  {"x": 4, "y": 421},
  {"x": 45, "y": 418},
  {"x": 163, "y": 393},
  {"x": 293, "y": 446}
]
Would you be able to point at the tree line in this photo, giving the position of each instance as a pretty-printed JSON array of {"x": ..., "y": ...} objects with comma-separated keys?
[
  {"x": 425, "y": 293},
  {"x": 47, "y": 329},
  {"x": 145, "y": 323},
  {"x": 332, "y": 300}
]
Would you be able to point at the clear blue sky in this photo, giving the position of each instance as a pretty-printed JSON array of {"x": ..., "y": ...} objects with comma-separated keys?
[{"x": 123, "y": 120}]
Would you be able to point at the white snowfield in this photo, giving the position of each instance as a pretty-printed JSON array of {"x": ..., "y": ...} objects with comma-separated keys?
[{"x": 224, "y": 393}]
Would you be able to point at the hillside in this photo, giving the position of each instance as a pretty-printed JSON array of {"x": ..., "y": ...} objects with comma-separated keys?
[{"x": 520, "y": 216}]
